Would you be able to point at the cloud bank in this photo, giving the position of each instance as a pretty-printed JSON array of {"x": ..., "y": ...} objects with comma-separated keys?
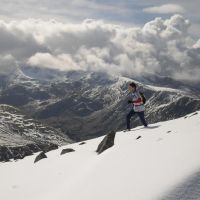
[
  {"x": 161, "y": 47},
  {"x": 165, "y": 9}
]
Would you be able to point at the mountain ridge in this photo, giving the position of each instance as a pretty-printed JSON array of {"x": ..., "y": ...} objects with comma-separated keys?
[{"x": 91, "y": 102}]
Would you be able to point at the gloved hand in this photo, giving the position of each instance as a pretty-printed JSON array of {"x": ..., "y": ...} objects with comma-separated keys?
[{"x": 129, "y": 101}]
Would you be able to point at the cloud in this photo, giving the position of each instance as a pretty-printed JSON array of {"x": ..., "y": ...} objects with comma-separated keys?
[
  {"x": 163, "y": 47},
  {"x": 18, "y": 41},
  {"x": 8, "y": 64},
  {"x": 165, "y": 9},
  {"x": 62, "y": 62},
  {"x": 120, "y": 12},
  {"x": 73, "y": 11}
]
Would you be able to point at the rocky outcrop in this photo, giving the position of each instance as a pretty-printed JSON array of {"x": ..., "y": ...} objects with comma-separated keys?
[
  {"x": 19, "y": 152},
  {"x": 22, "y": 136},
  {"x": 41, "y": 156},
  {"x": 82, "y": 143},
  {"x": 106, "y": 143},
  {"x": 64, "y": 151}
]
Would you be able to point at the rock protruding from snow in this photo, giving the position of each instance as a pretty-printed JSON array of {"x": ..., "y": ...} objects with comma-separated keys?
[
  {"x": 106, "y": 143},
  {"x": 64, "y": 151},
  {"x": 82, "y": 143},
  {"x": 19, "y": 152},
  {"x": 41, "y": 156}
]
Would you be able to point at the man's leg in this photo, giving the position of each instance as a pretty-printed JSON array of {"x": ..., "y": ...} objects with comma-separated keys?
[
  {"x": 128, "y": 118},
  {"x": 142, "y": 118}
]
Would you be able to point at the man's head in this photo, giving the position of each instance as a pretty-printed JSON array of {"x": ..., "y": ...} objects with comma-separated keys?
[{"x": 132, "y": 87}]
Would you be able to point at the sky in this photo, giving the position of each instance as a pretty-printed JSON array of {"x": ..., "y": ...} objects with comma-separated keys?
[
  {"x": 121, "y": 36},
  {"x": 131, "y": 12}
]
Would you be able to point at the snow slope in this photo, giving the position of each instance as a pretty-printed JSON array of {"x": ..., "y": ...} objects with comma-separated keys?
[{"x": 163, "y": 164}]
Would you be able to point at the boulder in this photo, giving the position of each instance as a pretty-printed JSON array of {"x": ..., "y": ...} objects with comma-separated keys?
[
  {"x": 82, "y": 143},
  {"x": 138, "y": 137},
  {"x": 106, "y": 143},
  {"x": 19, "y": 152},
  {"x": 41, "y": 156},
  {"x": 5, "y": 154},
  {"x": 64, "y": 151}
]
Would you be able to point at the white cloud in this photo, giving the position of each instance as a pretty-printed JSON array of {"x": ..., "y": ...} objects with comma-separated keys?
[
  {"x": 161, "y": 46},
  {"x": 165, "y": 9},
  {"x": 62, "y": 62},
  {"x": 197, "y": 45}
]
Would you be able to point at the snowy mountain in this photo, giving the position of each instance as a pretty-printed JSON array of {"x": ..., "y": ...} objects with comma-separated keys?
[
  {"x": 91, "y": 102},
  {"x": 163, "y": 164},
  {"x": 21, "y": 136}
]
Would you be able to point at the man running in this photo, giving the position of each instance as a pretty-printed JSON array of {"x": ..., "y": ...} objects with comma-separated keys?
[{"x": 138, "y": 105}]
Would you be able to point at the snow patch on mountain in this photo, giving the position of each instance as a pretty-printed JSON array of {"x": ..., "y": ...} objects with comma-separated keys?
[{"x": 17, "y": 129}]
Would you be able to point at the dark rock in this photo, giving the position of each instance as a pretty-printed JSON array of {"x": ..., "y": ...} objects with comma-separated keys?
[
  {"x": 41, "y": 156},
  {"x": 82, "y": 143},
  {"x": 193, "y": 114},
  {"x": 138, "y": 137},
  {"x": 64, "y": 151},
  {"x": 46, "y": 147},
  {"x": 34, "y": 148},
  {"x": 19, "y": 152},
  {"x": 5, "y": 154},
  {"x": 106, "y": 143},
  {"x": 169, "y": 131}
]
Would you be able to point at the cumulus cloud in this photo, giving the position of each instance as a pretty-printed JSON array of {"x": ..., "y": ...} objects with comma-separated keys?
[
  {"x": 159, "y": 47},
  {"x": 18, "y": 39},
  {"x": 165, "y": 9}
]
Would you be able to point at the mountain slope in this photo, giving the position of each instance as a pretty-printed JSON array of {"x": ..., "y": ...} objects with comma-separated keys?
[
  {"x": 91, "y": 102},
  {"x": 21, "y": 136},
  {"x": 163, "y": 164}
]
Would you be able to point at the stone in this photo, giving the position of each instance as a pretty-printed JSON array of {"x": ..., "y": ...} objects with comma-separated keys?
[
  {"x": 64, "y": 151},
  {"x": 41, "y": 156},
  {"x": 138, "y": 137},
  {"x": 82, "y": 143},
  {"x": 106, "y": 143}
]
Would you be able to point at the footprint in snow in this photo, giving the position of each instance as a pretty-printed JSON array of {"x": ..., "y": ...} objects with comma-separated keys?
[{"x": 14, "y": 186}]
